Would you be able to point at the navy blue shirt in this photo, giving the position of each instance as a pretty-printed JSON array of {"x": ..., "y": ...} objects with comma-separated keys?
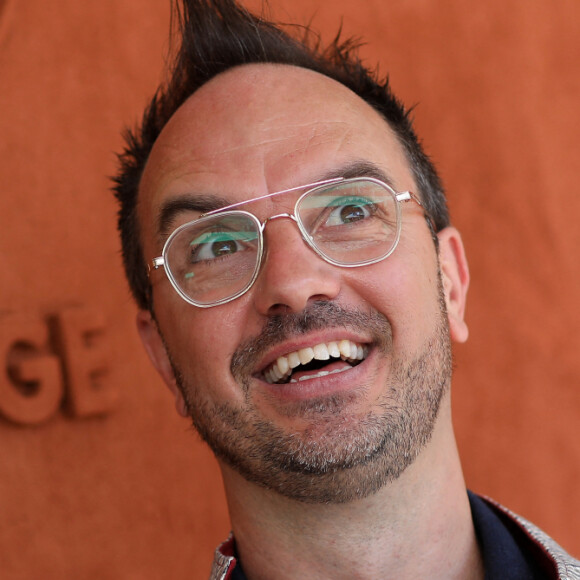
[{"x": 507, "y": 553}]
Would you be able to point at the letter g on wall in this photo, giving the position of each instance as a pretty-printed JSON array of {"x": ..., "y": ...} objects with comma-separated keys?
[{"x": 53, "y": 362}]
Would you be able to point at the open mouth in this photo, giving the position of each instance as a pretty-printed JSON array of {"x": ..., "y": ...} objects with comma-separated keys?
[{"x": 317, "y": 361}]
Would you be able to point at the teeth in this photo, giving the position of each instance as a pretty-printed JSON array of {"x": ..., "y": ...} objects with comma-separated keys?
[
  {"x": 293, "y": 360},
  {"x": 321, "y": 352},
  {"x": 333, "y": 350},
  {"x": 305, "y": 355},
  {"x": 283, "y": 365},
  {"x": 319, "y": 374},
  {"x": 353, "y": 350},
  {"x": 343, "y": 349}
]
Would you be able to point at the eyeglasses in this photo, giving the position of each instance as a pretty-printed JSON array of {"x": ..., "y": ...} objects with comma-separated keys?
[{"x": 348, "y": 222}]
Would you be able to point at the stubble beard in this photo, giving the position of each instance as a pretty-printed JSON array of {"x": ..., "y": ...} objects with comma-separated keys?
[{"x": 341, "y": 456}]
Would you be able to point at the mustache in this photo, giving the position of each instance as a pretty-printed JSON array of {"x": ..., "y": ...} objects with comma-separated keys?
[{"x": 316, "y": 316}]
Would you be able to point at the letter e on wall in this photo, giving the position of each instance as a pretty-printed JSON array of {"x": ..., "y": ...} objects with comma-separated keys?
[{"x": 80, "y": 336}]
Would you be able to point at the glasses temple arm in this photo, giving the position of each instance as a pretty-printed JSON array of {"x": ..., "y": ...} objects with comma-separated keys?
[{"x": 155, "y": 264}]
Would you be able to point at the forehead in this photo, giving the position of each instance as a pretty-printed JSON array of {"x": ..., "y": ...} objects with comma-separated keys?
[{"x": 260, "y": 128}]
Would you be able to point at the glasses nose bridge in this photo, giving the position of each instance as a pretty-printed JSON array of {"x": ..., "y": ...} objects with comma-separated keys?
[
  {"x": 290, "y": 216},
  {"x": 284, "y": 215}
]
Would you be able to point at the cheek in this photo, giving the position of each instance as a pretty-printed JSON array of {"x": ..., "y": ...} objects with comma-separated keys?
[
  {"x": 201, "y": 341},
  {"x": 405, "y": 289}
]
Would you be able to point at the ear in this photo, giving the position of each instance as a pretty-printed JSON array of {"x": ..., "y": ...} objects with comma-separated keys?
[
  {"x": 153, "y": 343},
  {"x": 455, "y": 279}
]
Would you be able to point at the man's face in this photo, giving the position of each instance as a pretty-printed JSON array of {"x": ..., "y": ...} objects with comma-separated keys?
[{"x": 328, "y": 437}]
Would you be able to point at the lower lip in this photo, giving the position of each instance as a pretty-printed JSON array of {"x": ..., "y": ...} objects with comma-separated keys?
[{"x": 348, "y": 380}]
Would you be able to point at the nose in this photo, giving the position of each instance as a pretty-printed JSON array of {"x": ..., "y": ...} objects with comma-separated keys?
[{"x": 292, "y": 274}]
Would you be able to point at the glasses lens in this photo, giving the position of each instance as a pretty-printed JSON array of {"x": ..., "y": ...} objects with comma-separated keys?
[
  {"x": 353, "y": 222},
  {"x": 214, "y": 258}
]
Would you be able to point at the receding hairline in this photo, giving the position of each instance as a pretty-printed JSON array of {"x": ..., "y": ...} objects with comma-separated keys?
[
  {"x": 262, "y": 69},
  {"x": 337, "y": 93}
]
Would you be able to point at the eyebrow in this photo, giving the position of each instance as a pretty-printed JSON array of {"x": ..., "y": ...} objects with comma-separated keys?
[
  {"x": 360, "y": 168},
  {"x": 172, "y": 207},
  {"x": 203, "y": 203}
]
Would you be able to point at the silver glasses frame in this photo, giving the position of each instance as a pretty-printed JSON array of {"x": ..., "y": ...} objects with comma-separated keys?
[{"x": 399, "y": 197}]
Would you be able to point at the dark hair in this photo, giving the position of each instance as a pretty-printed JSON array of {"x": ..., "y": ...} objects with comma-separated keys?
[{"x": 217, "y": 35}]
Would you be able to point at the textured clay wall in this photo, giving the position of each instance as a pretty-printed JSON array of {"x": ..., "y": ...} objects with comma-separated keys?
[{"x": 99, "y": 478}]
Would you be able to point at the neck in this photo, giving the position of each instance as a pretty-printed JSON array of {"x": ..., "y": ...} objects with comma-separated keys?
[{"x": 418, "y": 526}]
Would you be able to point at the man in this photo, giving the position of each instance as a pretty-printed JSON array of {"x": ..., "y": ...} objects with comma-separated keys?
[{"x": 299, "y": 285}]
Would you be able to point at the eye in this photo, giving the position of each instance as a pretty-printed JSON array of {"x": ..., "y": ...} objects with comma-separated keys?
[
  {"x": 350, "y": 210},
  {"x": 211, "y": 245}
]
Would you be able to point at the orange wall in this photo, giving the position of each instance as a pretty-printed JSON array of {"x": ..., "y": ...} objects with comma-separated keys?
[{"x": 99, "y": 478}]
